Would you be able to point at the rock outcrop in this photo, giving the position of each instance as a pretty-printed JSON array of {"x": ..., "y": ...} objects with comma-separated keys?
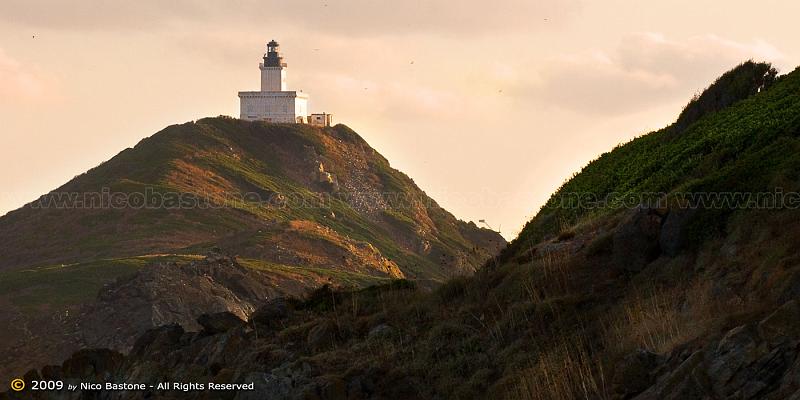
[
  {"x": 750, "y": 361},
  {"x": 174, "y": 293},
  {"x": 636, "y": 239}
]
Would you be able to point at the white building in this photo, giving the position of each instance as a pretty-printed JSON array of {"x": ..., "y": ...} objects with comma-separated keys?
[
  {"x": 273, "y": 103},
  {"x": 323, "y": 119}
]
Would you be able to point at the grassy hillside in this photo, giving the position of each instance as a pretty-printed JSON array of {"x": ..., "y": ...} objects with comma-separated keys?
[
  {"x": 193, "y": 185},
  {"x": 588, "y": 303},
  {"x": 746, "y": 147}
]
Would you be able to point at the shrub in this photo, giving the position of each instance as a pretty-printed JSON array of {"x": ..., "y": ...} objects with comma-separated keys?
[{"x": 737, "y": 84}]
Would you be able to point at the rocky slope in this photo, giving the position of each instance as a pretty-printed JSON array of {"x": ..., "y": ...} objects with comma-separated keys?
[
  {"x": 170, "y": 293},
  {"x": 300, "y": 206},
  {"x": 157, "y": 294}
]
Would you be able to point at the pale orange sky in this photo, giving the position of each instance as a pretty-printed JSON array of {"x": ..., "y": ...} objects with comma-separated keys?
[{"x": 488, "y": 106}]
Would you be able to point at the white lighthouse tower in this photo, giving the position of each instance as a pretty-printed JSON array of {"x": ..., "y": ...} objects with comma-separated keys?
[
  {"x": 274, "y": 103},
  {"x": 273, "y": 70}
]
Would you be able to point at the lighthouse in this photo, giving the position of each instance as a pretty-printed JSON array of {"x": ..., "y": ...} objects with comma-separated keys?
[
  {"x": 273, "y": 70},
  {"x": 274, "y": 102}
]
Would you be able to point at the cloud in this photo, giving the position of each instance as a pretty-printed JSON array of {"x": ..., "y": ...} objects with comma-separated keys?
[
  {"x": 339, "y": 17},
  {"x": 23, "y": 83},
  {"x": 644, "y": 71}
]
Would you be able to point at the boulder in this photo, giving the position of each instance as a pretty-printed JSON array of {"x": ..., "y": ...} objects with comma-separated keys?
[
  {"x": 558, "y": 247},
  {"x": 52, "y": 373},
  {"x": 636, "y": 239},
  {"x": 280, "y": 384},
  {"x": 685, "y": 382},
  {"x": 781, "y": 325},
  {"x": 763, "y": 376},
  {"x": 362, "y": 385},
  {"x": 332, "y": 388},
  {"x": 157, "y": 340},
  {"x": 790, "y": 286},
  {"x": 750, "y": 361},
  {"x": 31, "y": 375},
  {"x": 737, "y": 349},
  {"x": 672, "y": 238},
  {"x": 634, "y": 374},
  {"x": 381, "y": 331},
  {"x": 92, "y": 364},
  {"x": 168, "y": 293},
  {"x": 271, "y": 314},
  {"x": 219, "y": 322},
  {"x": 321, "y": 335}
]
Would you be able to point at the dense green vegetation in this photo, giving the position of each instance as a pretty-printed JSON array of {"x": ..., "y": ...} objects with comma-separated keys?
[
  {"x": 749, "y": 146},
  {"x": 747, "y": 79}
]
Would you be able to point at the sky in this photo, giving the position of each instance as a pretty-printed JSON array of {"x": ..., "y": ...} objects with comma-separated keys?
[{"x": 488, "y": 106}]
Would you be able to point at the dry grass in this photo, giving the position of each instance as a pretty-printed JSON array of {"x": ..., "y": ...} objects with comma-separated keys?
[
  {"x": 566, "y": 371},
  {"x": 567, "y": 368},
  {"x": 550, "y": 277},
  {"x": 659, "y": 319}
]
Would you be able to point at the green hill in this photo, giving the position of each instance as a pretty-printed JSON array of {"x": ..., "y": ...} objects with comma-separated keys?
[
  {"x": 246, "y": 186},
  {"x": 715, "y": 146},
  {"x": 300, "y": 206}
]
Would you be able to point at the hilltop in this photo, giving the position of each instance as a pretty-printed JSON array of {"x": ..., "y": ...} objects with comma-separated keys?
[
  {"x": 299, "y": 206},
  {"x": 226, "y": 181},
  {"x": 712, "y": 147}
]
